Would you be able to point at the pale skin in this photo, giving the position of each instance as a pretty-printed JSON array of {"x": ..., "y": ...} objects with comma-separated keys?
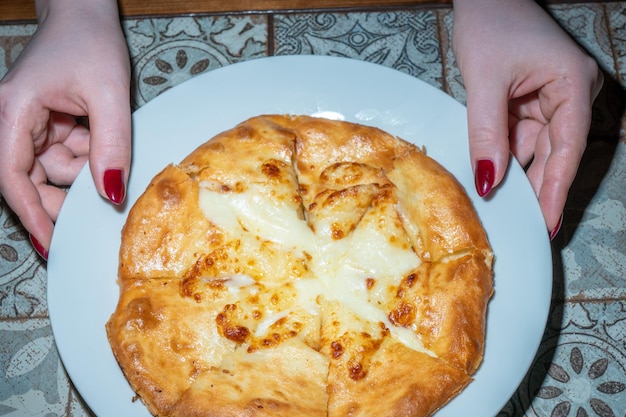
[
  {"x": 76, "y": 64},
  {"x": 529, "y": 91}
]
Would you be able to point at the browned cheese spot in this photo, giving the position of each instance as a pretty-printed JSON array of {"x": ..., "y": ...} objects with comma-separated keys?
[
  {"x": 411, "y": 279},
  {"x": 337, "y": 349},
  {"x": 272, "y": 169},
  {"x": 356, "y": 370},
  {"x": 336, "y": 232},
  {"x": 231, "y": 331},
  {"x": 403, "y": 315},
  {"x": 384, "y": 331}
]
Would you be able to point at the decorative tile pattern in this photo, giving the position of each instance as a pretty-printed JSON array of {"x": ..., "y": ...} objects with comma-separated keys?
[
  {"x": 587, "y": 24},
  {"x": 13, "y": 38},
  {"x": 594, "y": 258},
  {"x": 22, "y": 272},
  {"x": 595, "y": 255},
  {"x": 32, "y": 379},
  {"x": 78, "y": 407},
  {"x": 406, "y": 41},
  {"x": 580, "y": 368},
  {"x": 616, "y": 13},
  {"x": 167, "y": 51},
  {"x": 453, "y": 82}
]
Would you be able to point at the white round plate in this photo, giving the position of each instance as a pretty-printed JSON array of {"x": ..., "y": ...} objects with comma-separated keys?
[{"x": 82, "y": 267}]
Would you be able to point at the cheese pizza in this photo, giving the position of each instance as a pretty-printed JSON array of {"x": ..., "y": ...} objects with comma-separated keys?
[{"x": 300, "y": 266}]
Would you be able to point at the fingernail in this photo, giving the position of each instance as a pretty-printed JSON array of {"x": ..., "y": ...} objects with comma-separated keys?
[
  {"x": 484, "y": 176},
  {"x": 38, "y": 247},
  {"x": 114, "y": 185},
  {"x": 555, "y": 231}
]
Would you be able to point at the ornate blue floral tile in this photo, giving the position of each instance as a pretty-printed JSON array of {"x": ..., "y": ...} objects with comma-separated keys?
[
  {"x": 32, "y": 379},
  {"x": 22, "y": 272},
  {"x": 580, "y": 368},
  {"x": 167, "y": 51},
  {"x": 404, "y": 40}
]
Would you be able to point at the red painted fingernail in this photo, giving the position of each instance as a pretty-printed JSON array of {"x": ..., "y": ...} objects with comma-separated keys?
[
  {"x": 556, "y": 229},
  {"x": 38, "y": 247},
  {"x": 114, "y": 185},
  {"x": 484, "y": 176}
]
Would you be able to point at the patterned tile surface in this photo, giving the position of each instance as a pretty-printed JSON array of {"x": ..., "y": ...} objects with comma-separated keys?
[
  {"x": 580, "y": 368},
  {"x": 13, "y": 38},
  {"x": 616, "y": 13},
  {"x": 22, "y": 273},
  {"x": 166, "y": 52},
  {"x": 406, "y": 41}
]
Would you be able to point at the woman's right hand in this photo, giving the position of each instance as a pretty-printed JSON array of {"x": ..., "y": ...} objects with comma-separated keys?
[{"x": 530, "y": 91}]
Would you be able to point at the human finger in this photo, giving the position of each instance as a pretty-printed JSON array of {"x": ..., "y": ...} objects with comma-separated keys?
[
  {"x": 64, "y": 128},
  {"x": 523, "y": 136},
  {"x": 67, "y": 149},
  {"x": 528, "y": 107},
  {"x": 526, "y": 121},
  {"x": 110, "y": 143},
  {"x": 62, "y": 166},
  {"x": 535, "y": 171},
  {"x": 567, "y": 145},
  {"x": 16, "y": 162},
  {"x": 51, "y": 196},
  {"x": 52, "y": 199},
  {"x": 488, "y": 133},
  {"x": 567, "y": 103},
  {"x": 24, "y": 199}
]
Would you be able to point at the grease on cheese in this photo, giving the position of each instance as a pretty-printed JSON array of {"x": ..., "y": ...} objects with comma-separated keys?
[{"x": 342, "y": 267}]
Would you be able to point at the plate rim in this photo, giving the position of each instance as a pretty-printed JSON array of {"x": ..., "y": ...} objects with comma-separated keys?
[{"x": 84, "y": 179}]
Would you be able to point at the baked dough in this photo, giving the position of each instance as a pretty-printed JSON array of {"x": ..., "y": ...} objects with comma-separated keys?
[{"x": 299, "y": 266}]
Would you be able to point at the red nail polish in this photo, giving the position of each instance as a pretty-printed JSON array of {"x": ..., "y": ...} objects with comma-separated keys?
[
  {"x": 484, "y": 176},
  {"x": 556, "y": 229},
  {"x": 38, "y": 247},
  {"x": 114, "y": 185}
]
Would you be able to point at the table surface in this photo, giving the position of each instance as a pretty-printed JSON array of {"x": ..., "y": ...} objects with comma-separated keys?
[{"x": 580, "y": 368}]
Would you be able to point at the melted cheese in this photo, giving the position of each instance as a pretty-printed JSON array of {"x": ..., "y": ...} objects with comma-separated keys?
[
  {"x": 341, "y": 267},
  {"x": 267, "y": 322}
]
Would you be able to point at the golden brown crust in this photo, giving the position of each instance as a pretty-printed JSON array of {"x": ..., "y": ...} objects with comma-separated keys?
[
  {"x": 155, "y": 242},
  {"x": 216, "y": 315},
  {"x": 433, "y": 200},
  {"x": 155, "y": 331},
  {"x": 287, "y": 381},
  {"x": 448, "y": 300},
  {"x": 399, "y": 382}
]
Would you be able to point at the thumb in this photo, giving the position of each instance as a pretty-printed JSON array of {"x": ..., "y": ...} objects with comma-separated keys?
[
  {"x": 487, "y": 114},
  {"x": 110, "y": 145}
]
